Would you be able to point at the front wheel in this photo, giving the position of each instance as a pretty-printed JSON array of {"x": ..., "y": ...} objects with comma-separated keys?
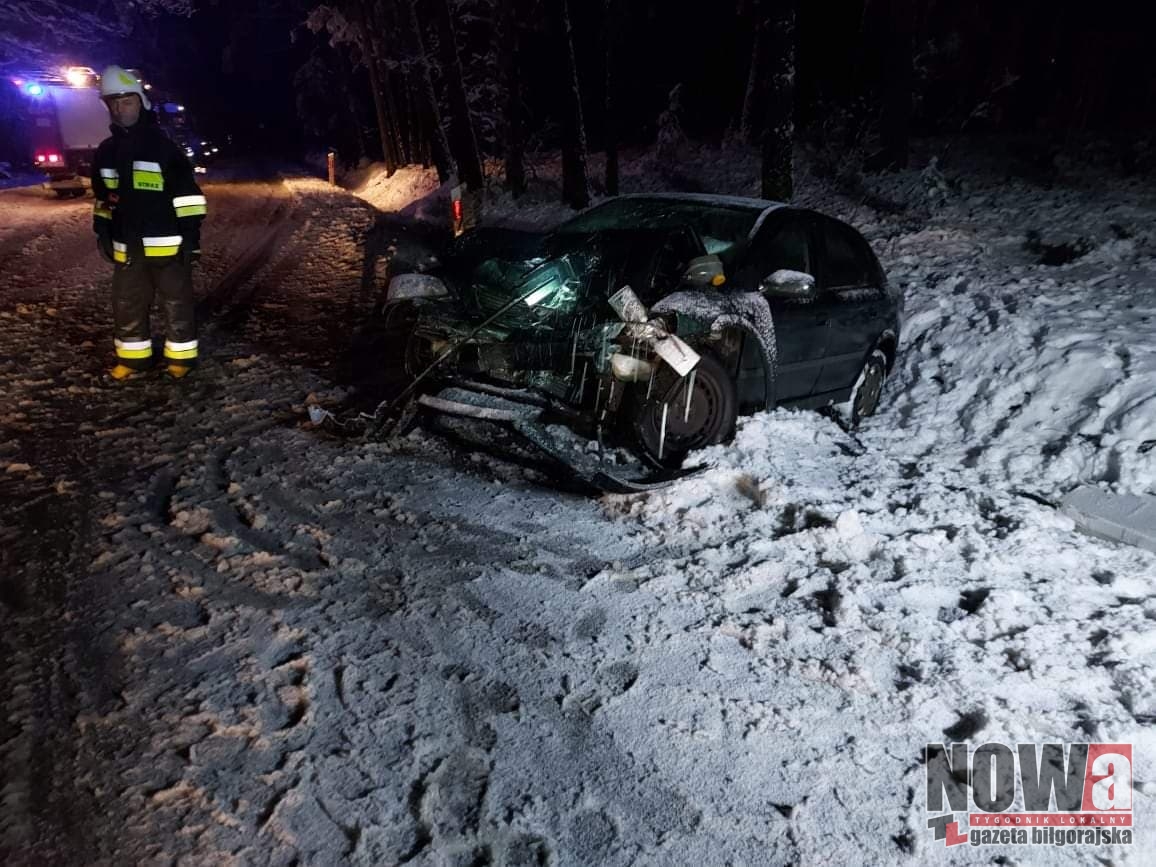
[
  {"x": 684, "y": 413},
  {"x": 868, "y": 387}
]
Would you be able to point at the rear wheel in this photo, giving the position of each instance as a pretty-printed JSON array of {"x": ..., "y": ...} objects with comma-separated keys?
[
  {"x": 868, "y": 387},
  {"x": 666, "y": 428}
]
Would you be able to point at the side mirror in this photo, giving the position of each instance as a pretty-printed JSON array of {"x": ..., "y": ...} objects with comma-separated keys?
[
  {"x": 790, "y": 284},
  {"x": 705, "y": 271}
]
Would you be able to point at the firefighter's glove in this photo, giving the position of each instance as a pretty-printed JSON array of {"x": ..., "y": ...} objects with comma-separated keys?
[
  {"x": 104, "y": 244},
  {"x": 191, "y": 249}
]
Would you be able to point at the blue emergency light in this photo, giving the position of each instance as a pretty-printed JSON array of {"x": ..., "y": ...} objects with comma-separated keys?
[{"x": 33, "y": 89}]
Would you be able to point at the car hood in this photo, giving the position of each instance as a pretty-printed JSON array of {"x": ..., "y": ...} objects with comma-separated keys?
[{"x": 562, "y": 275}]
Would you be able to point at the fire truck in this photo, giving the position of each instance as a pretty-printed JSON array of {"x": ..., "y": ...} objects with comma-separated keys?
[{"x": 66, "y": 121}]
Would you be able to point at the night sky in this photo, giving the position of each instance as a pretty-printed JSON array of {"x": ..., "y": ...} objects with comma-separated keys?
[{"x": 1030, "y": 66}]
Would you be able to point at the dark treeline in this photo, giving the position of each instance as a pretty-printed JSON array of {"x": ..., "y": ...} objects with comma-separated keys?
[{"x": 452, "y": 82}]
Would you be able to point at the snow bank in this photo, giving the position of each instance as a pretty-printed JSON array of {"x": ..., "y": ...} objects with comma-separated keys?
[
  {"x": 415, "y": 191},
  {"x": 1035, "y": 375},
  {"x": 410, "y": 191},
  {"x": 826, "y": 605}
]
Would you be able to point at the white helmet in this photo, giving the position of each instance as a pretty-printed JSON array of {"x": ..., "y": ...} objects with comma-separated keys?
[{"x": 115, "y": 81}]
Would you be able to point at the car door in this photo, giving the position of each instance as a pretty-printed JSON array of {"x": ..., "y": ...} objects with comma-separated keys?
[
  {"x": 785, "y": 240},
  {"x": 851, "y": 286}
]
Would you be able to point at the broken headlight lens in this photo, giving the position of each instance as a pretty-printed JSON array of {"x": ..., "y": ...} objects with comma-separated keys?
[{"x": 551, "y": 286}]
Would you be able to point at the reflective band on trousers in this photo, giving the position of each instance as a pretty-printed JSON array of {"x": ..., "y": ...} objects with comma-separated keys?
[
  {"x": 189, "y": 206},
  {"x": 147, "y": 175},
  {"x": 134, "y": 348},
  {"x": 167, "y": 245},
  {"x": 188, "y": 349},
  {"x": 110, "y": 177},
  {"x": 101, "y": 210},
  {"x": 119, "y": 251}
]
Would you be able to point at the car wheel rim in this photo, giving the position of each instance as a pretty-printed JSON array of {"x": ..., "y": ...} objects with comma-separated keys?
[
  {"x": 868, "y": 397},
  {"x": 686, "y": 431}
]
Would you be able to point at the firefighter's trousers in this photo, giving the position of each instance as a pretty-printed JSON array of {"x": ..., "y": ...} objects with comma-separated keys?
[{"x": 134, "y": 287}]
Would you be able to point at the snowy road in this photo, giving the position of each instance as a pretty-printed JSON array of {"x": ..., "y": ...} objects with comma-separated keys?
[{"x": 230, "y": 640}]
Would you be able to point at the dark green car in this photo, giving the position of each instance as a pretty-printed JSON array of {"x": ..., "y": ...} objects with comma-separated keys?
[{"x": 734, "y": 305}]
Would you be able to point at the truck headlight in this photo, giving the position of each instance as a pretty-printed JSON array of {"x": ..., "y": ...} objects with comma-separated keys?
[{"x": 406, "y": 286}]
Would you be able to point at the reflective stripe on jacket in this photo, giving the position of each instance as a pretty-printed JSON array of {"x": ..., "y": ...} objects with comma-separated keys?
[{"x": 146, "y": 195}]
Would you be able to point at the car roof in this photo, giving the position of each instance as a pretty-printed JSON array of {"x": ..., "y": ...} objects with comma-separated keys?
[
  {"x": 709, "y": 199},
  {"x": 763, "y": 206}
]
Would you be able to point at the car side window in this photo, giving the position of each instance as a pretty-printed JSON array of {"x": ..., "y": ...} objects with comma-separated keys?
[
  {"x": 845, "y": 261},
  {"x": 784, "y": 244}
]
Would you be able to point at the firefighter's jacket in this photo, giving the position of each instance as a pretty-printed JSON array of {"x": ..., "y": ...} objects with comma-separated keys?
[{"x": 146, "y": 195}]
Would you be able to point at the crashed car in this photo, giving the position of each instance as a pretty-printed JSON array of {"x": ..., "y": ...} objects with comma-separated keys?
[{"x": 652, "y": 321}]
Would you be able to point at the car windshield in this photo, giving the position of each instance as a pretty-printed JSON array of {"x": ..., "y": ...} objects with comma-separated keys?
[{"x": 722, "y": 228}]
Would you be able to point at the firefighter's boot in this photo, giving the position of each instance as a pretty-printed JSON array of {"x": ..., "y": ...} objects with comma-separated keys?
[
  {"x": 123, "y": 373},
  {"x": 178, "y": 371}
]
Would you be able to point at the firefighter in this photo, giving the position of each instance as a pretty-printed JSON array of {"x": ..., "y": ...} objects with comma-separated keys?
[{"x": 147, "y": 221}]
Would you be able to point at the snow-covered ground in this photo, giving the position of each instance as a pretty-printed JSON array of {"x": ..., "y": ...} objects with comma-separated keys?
[
  {"x": 232, "y": 639},
  {"x": 10, "y": 178}
]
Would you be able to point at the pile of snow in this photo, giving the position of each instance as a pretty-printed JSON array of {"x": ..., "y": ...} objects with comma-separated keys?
[
  {"x": 1034, "y": 375},
  {"x": 414, "y": 191},
  {"x": 410, "y": 190},
  {"x": 10, "y": 178},
  {"x": 827, "y": 609}
]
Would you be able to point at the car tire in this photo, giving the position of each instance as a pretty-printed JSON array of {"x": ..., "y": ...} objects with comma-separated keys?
[
  {"x": 712, "y": 415},
  {"x": 868, "y": 387},
  {"x": 375, "y": 361}
]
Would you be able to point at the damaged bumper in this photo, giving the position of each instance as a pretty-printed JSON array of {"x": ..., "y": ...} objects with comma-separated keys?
[{"x": 529, "y": 415}]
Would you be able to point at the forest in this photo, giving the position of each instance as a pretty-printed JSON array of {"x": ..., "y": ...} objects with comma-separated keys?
[{"x": 473, "y": 86}]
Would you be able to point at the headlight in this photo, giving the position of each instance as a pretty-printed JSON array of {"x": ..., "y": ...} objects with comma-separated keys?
[
  {"x": 630, "y": 369},
  {"x": 415, "y": 286}
]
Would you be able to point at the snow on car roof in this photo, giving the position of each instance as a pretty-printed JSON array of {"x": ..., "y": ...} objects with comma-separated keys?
[
  {"x": 711, "y": 199},
  {"x": 763, "y": 206}
]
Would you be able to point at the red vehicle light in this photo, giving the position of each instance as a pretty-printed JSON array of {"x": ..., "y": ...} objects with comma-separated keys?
[
  {"x": 40, "y": 158},
  {"x": 457, "y": 210},
  {"x": 54, "y": 158}
]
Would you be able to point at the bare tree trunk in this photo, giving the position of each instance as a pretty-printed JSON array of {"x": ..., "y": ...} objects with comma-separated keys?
[
  {"x": 575, "y": 187},
  {"x": 901, "y": 80},
  {"x": 613, "y": 27},
  {"x": 425, "y": 142},
  {"x": 779, "y": 124},
  {"x": 412, "y": 124},
  {"x": 370, "y": 47},
  {"x": 896, "y": 23},
  {"x": 382, "y": 26},
  {"x": 439, "y": 143},
  {"x": 509, "y": 16},
  {"x": 463, "y": 141},
  {"x": 357, "y": 135},
  {"x": 748, "y": 123}
]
